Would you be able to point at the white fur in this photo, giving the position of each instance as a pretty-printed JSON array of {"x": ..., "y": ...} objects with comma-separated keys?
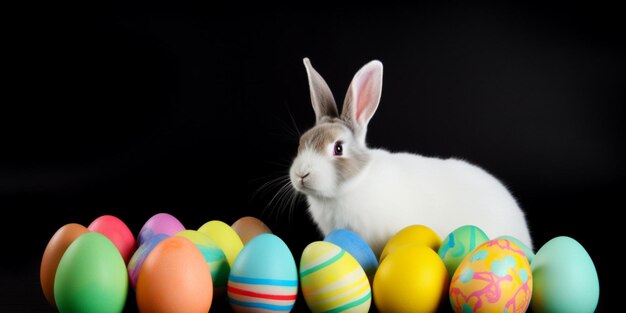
[
  {"x": 318, "y": 167},
  {"x": 382, "y": 192},
  {"x": 396, "y": 190}
]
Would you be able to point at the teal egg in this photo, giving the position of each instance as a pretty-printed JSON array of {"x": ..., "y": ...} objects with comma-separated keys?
[
  {"x": 264, "y": 277},
  {"x": 458, "y": 244},
  {"x": 565, "y": 278},
  {"x": 91, "y": 277}
]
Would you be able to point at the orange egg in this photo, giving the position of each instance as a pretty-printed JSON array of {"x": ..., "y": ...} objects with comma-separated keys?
[
  {"x": 249, "y": 227},
  {"x": 52, "y": 256},
  {"x": 174, "y": 278}
]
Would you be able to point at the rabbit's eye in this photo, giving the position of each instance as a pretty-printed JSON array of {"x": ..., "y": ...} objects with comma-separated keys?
[{"x": 338, "y": 150}]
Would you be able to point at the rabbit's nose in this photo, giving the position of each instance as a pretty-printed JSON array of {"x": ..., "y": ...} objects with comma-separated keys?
[{"x": 303, "y": 176}]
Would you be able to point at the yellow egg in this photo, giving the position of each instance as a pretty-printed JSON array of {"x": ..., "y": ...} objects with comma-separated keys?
[
  {"x": 410, "y": 235},
  {"x": 410, "y": 279},
  {"x": 225, "y": 238},
  {"x": 332, "y": 280},
  {"x": 495, "y": 277}
]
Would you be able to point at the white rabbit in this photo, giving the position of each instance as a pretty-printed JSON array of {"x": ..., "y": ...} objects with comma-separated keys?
[{"x": 375, "y": 192}]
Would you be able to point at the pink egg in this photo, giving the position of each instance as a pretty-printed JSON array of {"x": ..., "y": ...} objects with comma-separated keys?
[
  {"x": 161, "y": 223},
  {"x": 117, "y": 231}
]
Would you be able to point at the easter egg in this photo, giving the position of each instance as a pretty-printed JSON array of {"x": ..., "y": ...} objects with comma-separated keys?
[
  {"x": 565, "y": 278},
  {"x": 527, "y": 251},
  {"x": 161, "y": 223},
  {"x": 357, "y": 247},
  {"x": 117, "y": 231},
  {"x": 495, "y": 277},
  {"x": 136, "y": 261},
  {"x": 55, "y": 249},
  {"x": 174, "y": 278},
  {"x": 91, "y": 276},
  {"x": 332, "y": 280},
  {"x": 264, "y": 277},
  {"x": 213, "y": 256},
  {"x": 225, "y": 238},
  {"x": 410, "y": 235},
  {"x": 411, "y": 279},
  {"x": 249, "y": 227},
  {"x": 458, "y": 244}
]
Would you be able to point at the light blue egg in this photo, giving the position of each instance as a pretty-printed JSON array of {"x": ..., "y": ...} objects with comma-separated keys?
[
  {"x": 357, "y": 247},
  {"x": 564, "y": 278},
  {"x": 264, "y": 276}
]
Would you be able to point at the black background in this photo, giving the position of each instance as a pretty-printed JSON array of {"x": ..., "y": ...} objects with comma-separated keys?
[{"x": 133, "y": 112}]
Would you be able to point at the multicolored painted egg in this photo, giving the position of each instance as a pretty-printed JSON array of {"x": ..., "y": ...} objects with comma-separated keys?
[
  {"x": 357, "y": 247},
  {"x": 410, "y": 235},
  {"x": 332, "y": 280},
  {"x": 91, "y": 276},
  {"x": 410, "y": 279},
  {"x": 495, "y": 277},
  {"x": 225, "y": 238},
  {"x": 458, "y": 244},
  {"x": 174, "y": 278},
  {"x": 117, "y": 231},
  {"x": 565, "y": 278},
  {"x": 528, "y": 251},
  {"x": 264, "y": 277},
  {"x": 161, "y": 223},
  {"x": 214, "y": 257},
  {"x": 136, "y": 261},
  {"x": 55, "y": 249}
]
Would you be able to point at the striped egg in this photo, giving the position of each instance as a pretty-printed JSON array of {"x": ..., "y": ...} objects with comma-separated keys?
[
  {"x": 213, "y": 256},
  {"x": 264, "y": 277},
  {"x": 332, "y": 280}
]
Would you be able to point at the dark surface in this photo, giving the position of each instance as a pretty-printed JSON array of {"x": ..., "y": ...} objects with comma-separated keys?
[{"x": 190, "y": 112}]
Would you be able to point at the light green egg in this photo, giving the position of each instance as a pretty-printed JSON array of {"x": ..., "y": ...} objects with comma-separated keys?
[
  {"x": 565, "y": 278},
  {"x": 458, "y": 244},
  {"x": 91, "y": 277}
]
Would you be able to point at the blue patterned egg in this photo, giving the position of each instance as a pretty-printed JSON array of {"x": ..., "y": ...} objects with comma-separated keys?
[
  {"x": 136, "y": 261},
  {"x": 264, "y": 277}
]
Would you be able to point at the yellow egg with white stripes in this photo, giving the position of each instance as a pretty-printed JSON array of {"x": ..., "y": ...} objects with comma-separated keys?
[{"x": 332, "y": 280}]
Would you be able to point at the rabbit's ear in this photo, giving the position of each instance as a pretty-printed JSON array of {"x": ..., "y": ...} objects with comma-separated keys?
[
  {"x": 321, "y": 96},
  {"x": 363, "y": 97}
]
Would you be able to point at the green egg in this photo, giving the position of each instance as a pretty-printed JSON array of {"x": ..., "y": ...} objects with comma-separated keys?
[
  {"x": 458, "y": 244},
  {"x": 565, "y": 278},
  {"x": 91, "y": 277}
]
